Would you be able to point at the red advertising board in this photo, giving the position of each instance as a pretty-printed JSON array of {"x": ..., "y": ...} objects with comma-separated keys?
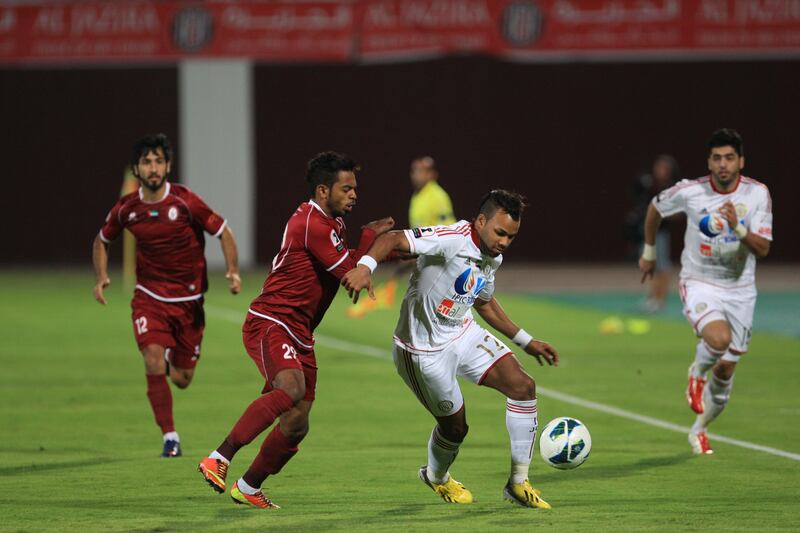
[{"x": 391, "y": 30}]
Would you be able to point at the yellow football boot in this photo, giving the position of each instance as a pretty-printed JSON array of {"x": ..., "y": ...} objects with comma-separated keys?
[
  {"x": 451, "y": 490},
  {"x": 525, "y": 495}
]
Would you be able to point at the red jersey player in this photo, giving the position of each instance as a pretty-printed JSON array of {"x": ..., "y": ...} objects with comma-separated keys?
[
  {"x": 278, "y": 330},
  {"x": 168, "y": 221}
]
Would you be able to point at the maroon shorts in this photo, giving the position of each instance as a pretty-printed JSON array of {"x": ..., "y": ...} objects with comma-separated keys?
[
  {"x": 177, "y": 326},
  {"x": 273, "y": 349}
]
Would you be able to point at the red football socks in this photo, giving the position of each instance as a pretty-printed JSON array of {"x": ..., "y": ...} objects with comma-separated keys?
[
  {"x": 160, "y": 396},
  {"x": 258, "y": 416},
  {"x": 275, "y": 452}
]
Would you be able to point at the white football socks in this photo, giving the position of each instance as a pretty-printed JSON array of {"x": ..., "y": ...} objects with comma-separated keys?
[
  {"x": 522, "y": 422},
  {"x": 716, "y": 394},
  {"x": 704, "y": 359},
  {"x": 441, "y": 454},
  {"x": 245, "y": 488},
  {"x": 171, "y": 435},
  {"x": 216, "y": 455}
]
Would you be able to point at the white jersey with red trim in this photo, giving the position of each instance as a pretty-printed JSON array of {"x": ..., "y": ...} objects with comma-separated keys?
[
  {"x": 451, "y": 272},
  {"x": 712, "y": 252}
]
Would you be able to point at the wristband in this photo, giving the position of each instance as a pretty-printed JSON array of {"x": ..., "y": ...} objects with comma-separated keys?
[
  {"x": 740, "y": 230},
  {"x": 649, "y": 252},
  {"x": 368, "y": 262},
  {"x": 522, "y": 338}
]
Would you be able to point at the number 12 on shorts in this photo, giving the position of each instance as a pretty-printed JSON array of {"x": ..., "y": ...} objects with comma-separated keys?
[
  {"x": 141, "y": 325},
  {"x": 498, "y": 346}
]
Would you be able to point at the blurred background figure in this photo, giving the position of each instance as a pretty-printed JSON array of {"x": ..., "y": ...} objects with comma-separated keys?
[
  {"x": 430, "y": 206},
  {"x": 663, "y": 175}
]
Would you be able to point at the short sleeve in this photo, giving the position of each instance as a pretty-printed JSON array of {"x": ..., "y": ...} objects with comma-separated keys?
[
  {"x": 444, "y": 241},
  {"x": 210, "y": 220},
  {"x": 761, "y": 221},
  {"x": 672, "y": 200},
  {"x": 112, "y": 226}
]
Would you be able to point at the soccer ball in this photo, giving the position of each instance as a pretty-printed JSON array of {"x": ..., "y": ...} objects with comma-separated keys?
[
  {"x": 713, "y": 224},
  {"x": 565, "y": 443}
]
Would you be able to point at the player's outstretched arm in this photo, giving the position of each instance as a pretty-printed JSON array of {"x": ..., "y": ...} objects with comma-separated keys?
[
  {"x": 493, "y": 313},
  {"x": 228, "y": 243},
  {"x": 360, "y": 277},
  {"x": 647, "y": 262},
  {"x": 100, "y": 261}
]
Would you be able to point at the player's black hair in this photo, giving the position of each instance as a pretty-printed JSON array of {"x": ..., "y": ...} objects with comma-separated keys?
[
  {"x": 150, "y": 143},
  {"x": 511, "y": 202},
  {"x": 324, "y": 169},
  {"x": 726, "y": 137}
]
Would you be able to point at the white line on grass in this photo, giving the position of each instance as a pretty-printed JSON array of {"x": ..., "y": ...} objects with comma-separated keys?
[{"x": 372, "y": 351}]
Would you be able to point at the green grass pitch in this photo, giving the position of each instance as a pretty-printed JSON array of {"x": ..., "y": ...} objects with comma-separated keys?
[{"x": 79, "y": 447}]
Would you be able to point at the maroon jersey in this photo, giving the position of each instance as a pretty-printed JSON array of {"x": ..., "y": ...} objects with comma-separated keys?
[
  {"x": 305, "y": 274},
  {"x": 170, "y": 245}
]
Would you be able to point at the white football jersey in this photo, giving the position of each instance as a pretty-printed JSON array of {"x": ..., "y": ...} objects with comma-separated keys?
[
  {"x": 451, "y": 272},
  {"x": 711, "y": 250}
]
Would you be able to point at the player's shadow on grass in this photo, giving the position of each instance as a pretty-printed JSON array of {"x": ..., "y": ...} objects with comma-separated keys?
[
  {"x": 51, "y": 467},
  {"x": 620, "y": 470}
]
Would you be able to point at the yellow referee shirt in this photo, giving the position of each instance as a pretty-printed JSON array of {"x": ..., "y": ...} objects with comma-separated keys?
[{"x": 431, "y": 206}]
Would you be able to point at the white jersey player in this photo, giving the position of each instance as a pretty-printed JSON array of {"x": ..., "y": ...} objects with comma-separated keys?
[
  {"x": 729, "y": 224},
  {"x": 436, "y": 338}
]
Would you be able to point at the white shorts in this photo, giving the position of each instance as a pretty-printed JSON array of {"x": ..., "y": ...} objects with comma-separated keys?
[
  {"x": 432, "y": 377},
  {"x": 704, "y": 303}
]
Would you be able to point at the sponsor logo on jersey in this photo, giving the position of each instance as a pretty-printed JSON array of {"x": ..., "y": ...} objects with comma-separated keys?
[
  {"x": 419, "y": 233},
  {"x": 172, "y": 213},
  {"x": 765, "y": 231},
  {"x": 337, "y": 242},
  {"x": 445, "y": 307},
  {"x": 468, "y": 282},
  {"x": 705, "y": 250}
]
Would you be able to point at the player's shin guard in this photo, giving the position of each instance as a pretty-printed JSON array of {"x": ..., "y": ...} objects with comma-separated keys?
[
  {"x": 441, "y": 454},
  {"x": 275, "y": 452},
  {"x": 160, "y": 396},
  {"x": 522, "y": 422},
  {"x": 258, "y": 416},
  {"x": 715, "y": 397},
  {"x": 704, "y": 358}
]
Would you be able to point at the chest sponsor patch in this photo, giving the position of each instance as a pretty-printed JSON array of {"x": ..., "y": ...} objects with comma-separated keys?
[
  {"x": 450, "y": 309},
  {"x": 468, "y": 282},
  {"x": 705, "y": 250}
]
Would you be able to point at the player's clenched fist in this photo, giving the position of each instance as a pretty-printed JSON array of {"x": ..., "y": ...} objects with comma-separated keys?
[{"x": 381, "y": 226}]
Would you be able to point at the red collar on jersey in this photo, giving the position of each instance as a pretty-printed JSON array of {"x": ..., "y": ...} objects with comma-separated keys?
[
  {"x": 714, "y": 188},
  {"x": 474, "y": 235}
]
